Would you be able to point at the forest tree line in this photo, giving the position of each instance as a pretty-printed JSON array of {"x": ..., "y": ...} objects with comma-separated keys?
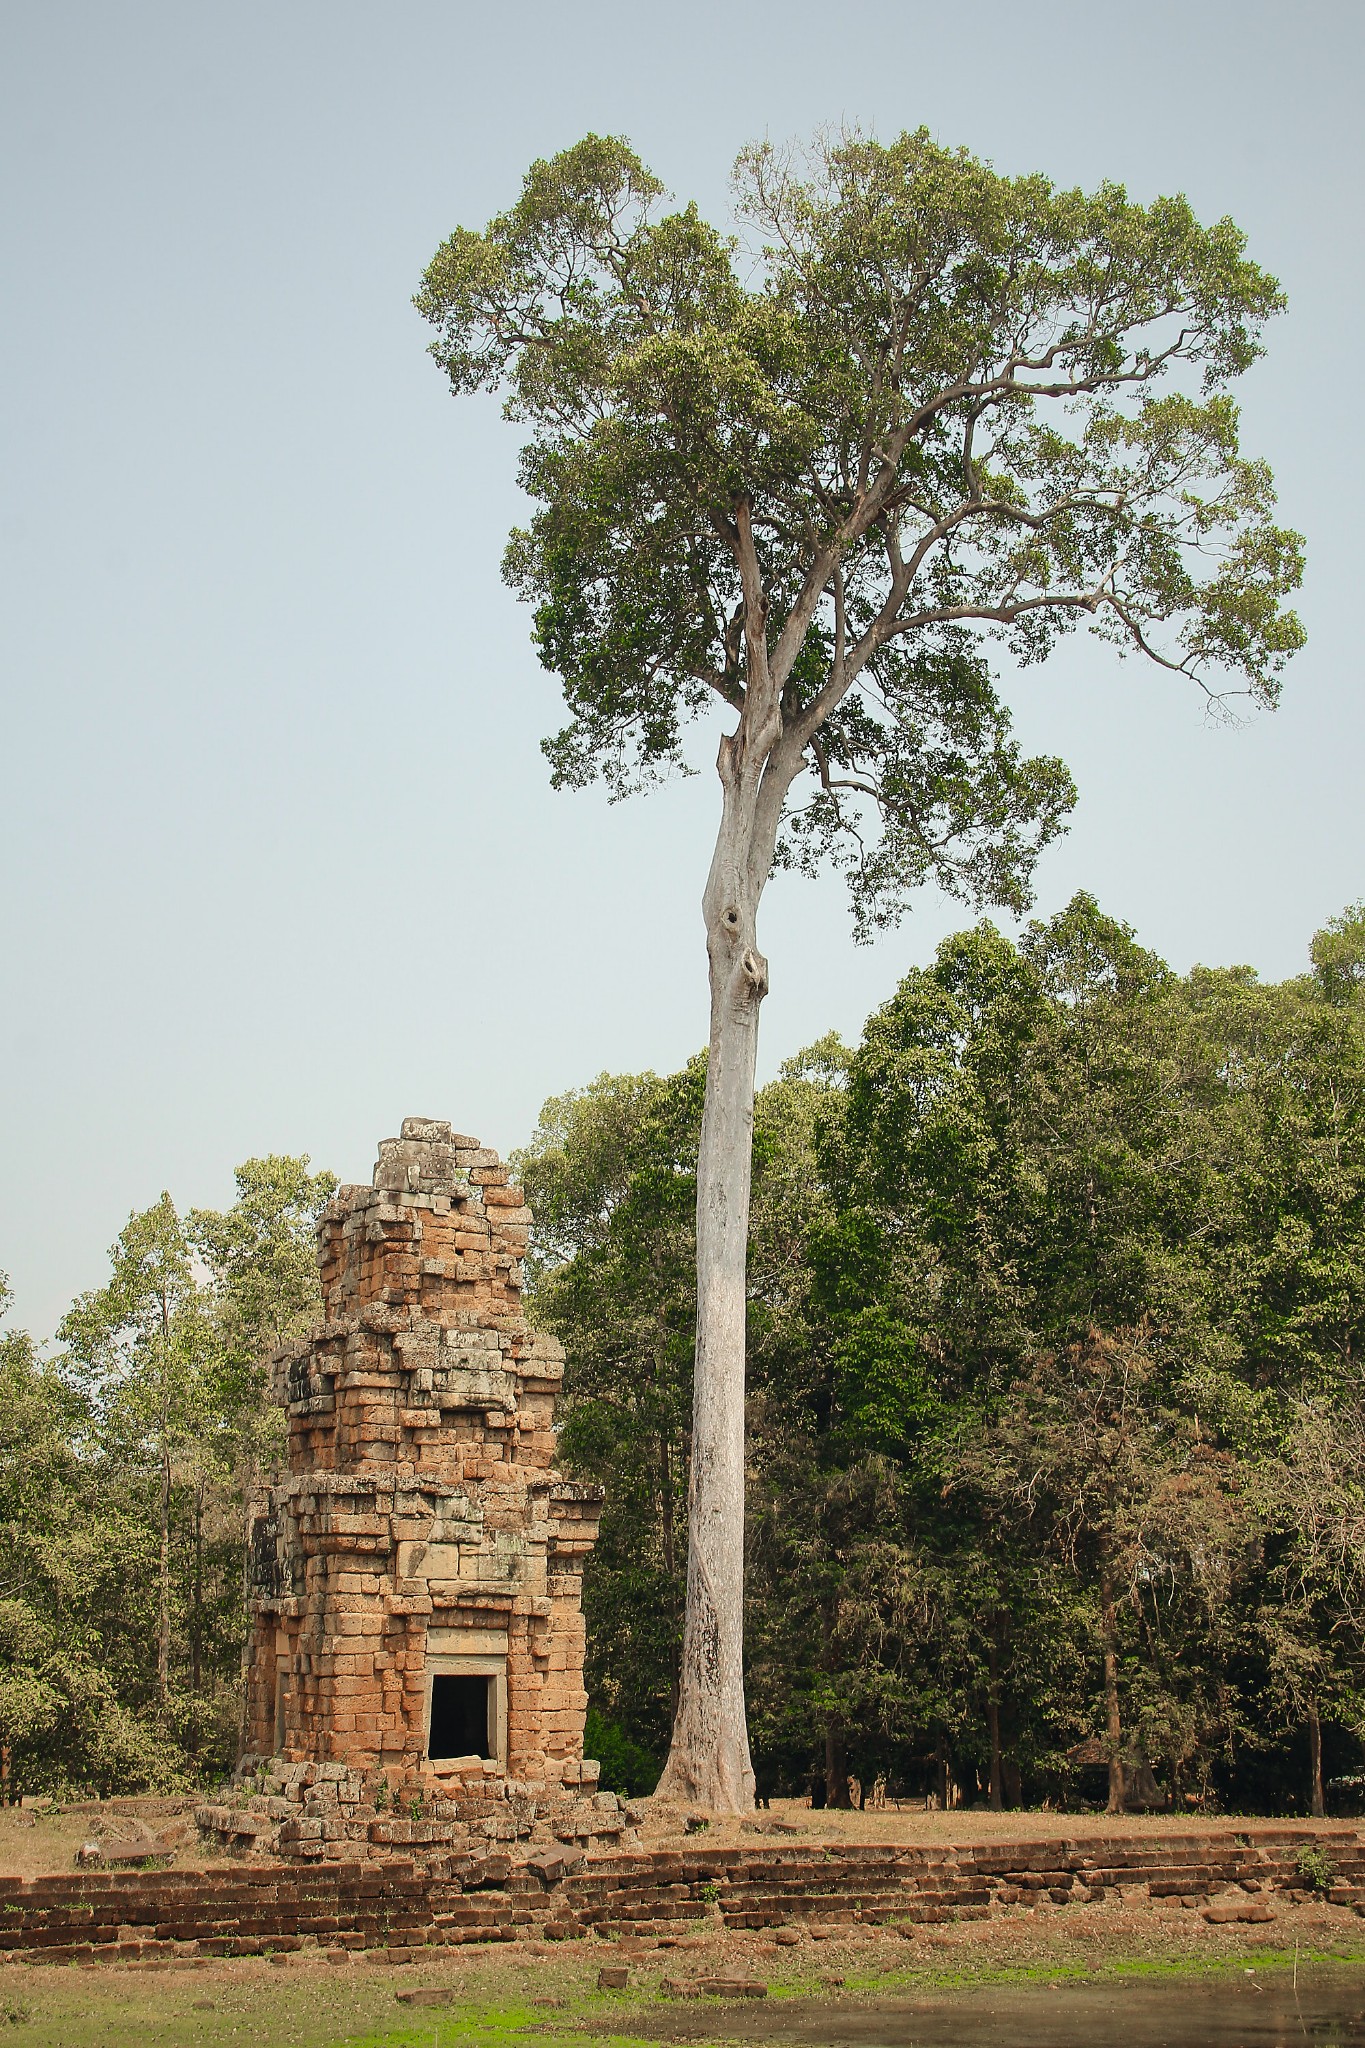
[
  {"x": 1056, "y": 1480},
  {"x": 127, "y": 1458},
  {"x": 1056, "y": 1467}
]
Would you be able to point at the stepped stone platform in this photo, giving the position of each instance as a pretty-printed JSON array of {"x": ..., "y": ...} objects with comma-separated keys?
[{"x": 409, "y": 1906}]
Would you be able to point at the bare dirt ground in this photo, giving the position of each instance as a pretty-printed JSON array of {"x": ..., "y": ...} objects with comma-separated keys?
[
  {"x": 43, "y": 1842},
  {"x": 914, "y": 1827}
]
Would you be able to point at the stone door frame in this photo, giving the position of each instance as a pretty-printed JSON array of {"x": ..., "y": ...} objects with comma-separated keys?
[{"x": 466, "y": 1665}]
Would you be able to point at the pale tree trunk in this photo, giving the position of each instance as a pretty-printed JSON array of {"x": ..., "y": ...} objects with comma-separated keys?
[
  {"x": 997, "y": 1788},
  {"x": 163, "y": 1619},
  {"x": 1318, "y": 1805},
  {"x": 1109, "y": 1631},
  {"x": 197, "y": 1629},
  {"x": 708, "y": 1762}
]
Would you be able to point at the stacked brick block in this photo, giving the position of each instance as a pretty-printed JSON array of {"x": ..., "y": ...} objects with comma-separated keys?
[
  {"x": 401, "y": 1908},
  {"x": 422, "y": 1525}
]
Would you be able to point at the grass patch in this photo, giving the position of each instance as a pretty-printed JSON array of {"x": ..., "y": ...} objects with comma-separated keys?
[
  {"x": 966, "y": 1974},
  {"x": 455, "y": 2026},
  {"x": 252, "y": 2004}
]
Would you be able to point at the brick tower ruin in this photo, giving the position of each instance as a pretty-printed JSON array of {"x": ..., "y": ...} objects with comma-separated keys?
[{"x": 416, "y": 1578}]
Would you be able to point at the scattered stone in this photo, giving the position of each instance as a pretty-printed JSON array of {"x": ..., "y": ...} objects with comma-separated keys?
[
  {"x": 132, "y": 1855},
  {"x": 613, "y": 1977},
  {"x": 1222, "y": 1915},
  {"x": 715, "y": 1987},
  {"x": 786, "y": 1937}
]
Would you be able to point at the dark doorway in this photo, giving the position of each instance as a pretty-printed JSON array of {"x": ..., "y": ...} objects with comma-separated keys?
[{"x": 461, "y": 1709}]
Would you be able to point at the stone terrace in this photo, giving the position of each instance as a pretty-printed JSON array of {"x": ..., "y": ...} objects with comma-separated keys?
[{"x": 402, "y": 1908}]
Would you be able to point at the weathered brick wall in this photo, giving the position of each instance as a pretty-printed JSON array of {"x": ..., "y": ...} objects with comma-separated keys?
[
  {"x": 400, "y": 1908},
  {"x": 422, "y": 1515}
]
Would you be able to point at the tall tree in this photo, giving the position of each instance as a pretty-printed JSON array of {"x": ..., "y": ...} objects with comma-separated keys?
[
  {"x": 1312, "y": 1498},
  {"x": 806, "y": 482},
  {"x": 610, "y": 1174},
  {"x": 1132, "y": 1494},
  {"x": 262, "y": 1257},
  {"x": 1021, "y": 1165},
  {"x": 145, "y": 1347},
  {"x": 1338, "y": 955},
  {"x": 75, "y": 1569}
]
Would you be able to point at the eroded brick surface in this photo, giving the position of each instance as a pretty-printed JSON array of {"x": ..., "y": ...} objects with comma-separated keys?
[
  {"x": 405, "y": 1905},
  {"x": 422, "y": 1531}
]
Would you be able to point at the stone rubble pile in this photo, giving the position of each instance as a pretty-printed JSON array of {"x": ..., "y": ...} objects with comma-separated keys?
[{"x": 330, "y": 1812}]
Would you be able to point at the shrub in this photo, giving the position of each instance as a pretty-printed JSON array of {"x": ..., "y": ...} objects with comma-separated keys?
[
  {"x": 1315, "y": 1867},
  {"x": 626, "y": 1767}
]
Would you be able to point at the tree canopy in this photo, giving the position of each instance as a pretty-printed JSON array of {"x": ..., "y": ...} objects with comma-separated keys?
[{"x": 910, "y": 403}]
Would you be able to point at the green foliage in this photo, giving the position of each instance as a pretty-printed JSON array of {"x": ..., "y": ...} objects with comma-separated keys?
[
  {"x": 626, "y": 1767},
  {"x": 1338, "y": 954},
  {"x": 263, "y": 1258},
  {"x": 1056, "y": 1284},
  {"x": 1315, "y": 1867},
  {"x": 913, "y": 408},
  {"x": 611, "y": 1178},
  {"x": 124, "y": 1466},
  {"x": 1057, "y": 1297}
]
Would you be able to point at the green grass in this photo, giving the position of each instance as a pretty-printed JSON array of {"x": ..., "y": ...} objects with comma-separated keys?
[{"x": 456, "y": 2026}]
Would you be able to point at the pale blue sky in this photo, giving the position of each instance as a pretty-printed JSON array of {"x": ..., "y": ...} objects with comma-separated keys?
[{"x": 280, "y": 859}]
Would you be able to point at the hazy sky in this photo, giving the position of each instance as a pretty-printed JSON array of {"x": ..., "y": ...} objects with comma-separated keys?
[{"x": 281, "y": 863}]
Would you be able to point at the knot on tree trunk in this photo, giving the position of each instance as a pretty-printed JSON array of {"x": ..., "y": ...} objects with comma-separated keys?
[{"x": 754, "y": 969}]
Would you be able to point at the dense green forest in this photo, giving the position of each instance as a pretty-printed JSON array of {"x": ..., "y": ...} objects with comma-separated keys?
[
  {"x": 1057, "y": 1297},
  {"x": 1057, "y": 1466},
  {"x": 126, "y": 1460}
]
